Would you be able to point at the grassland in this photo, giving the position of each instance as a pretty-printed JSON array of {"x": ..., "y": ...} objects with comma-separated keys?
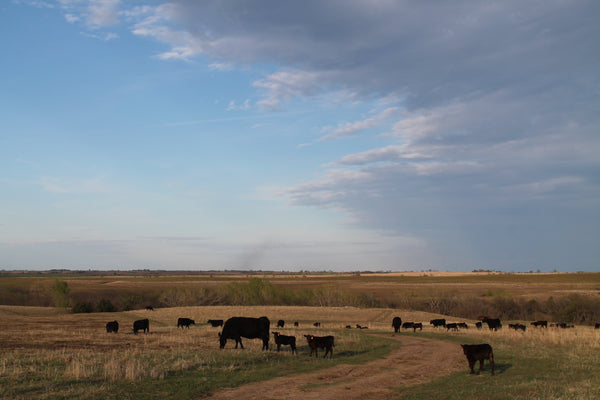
[{"x": 51, "y": 353}]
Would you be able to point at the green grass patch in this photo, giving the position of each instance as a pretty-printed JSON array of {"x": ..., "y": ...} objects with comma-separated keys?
[{"x": 523, "y": 371}]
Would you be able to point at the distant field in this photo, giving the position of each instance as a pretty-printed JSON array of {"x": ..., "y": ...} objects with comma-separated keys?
[
  {"x": 383, "y": 285},
  {"x": 48, "y": 353},
  {"x": 568, "y": 297}
]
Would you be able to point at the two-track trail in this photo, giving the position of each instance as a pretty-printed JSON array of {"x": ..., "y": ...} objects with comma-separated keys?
[{"x": 418, "y": 360}]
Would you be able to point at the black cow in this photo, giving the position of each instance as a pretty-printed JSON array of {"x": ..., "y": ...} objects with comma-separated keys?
[
  {"x": 141, "y": 324},
  {"x": 563, "y": 325},
  {"x": 597, "y": 326},
  {"x": 361, "y": 327},
  {"x": 538, "y": 324},
  {"x": 317, "y": 324},
  {"x": 407, "y": 325},
  {"x": 320, "y": 342},
  {"x": 478, "y": 352},
  {"x": 438, "y": 322},
  {"x": 478, "y": 325},
  {"x": 453, "y": 326},
  {"x": 181, "y": 322},
  {"x": 417, "y": 325},
  {"x": 397, "y": 323},
  {"x": 149, "y": 308},
  {"x": 493, "y": 323},
  {"x": 112, "y": 326},
  {"x": 348, "y": 327},
  {"x": 280, "y": 323},
  {"x": 251, "y": 328},
  {"x": 283, "y": 340},
  {"x": 517, "y": 327},
  {"x": 296, "y": 323},
  {"x": 463, "y": 325},
  {"x": 215, "y": 322}
]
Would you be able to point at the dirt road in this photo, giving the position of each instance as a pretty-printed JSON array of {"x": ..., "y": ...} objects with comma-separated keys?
[{"x": 417, "y": 361}]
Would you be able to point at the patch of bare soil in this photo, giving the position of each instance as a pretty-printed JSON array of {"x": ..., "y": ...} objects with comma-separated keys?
[{"x": 418, "y": 361}]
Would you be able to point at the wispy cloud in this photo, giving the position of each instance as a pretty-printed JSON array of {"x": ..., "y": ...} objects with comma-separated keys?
[
  {"x": 236, "y": 107},
  {"x": 352, "y": 128}
]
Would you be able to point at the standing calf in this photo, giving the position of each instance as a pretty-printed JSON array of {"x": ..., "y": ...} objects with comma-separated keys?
[
  {"x": 478, "y": 352},
  {"x": 323, "y": 342},
  {"x": 285, "y": 341}
]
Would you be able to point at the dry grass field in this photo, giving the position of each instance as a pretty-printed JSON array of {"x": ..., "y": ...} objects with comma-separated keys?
[
  {"x": 52, "y": 353},
  {"x": 49, "y": 353}
]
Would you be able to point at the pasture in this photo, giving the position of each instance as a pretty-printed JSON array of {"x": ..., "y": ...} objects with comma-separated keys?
[
  {"x": 52, "y": 353},
  {"x": 49, "y": 353}
]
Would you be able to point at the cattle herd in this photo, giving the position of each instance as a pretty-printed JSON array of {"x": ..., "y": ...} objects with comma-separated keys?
[{"x": 236, "y": 328}]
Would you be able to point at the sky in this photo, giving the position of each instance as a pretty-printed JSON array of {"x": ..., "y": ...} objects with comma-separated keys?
[{"x": 300, "y": 135}]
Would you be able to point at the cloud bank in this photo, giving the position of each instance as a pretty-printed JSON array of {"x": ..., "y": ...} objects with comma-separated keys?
[{"x": 492, "y": 109}]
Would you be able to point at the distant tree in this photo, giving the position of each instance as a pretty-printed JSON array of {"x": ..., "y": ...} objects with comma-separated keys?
[
  {"x": 83, "y": 307},
  {"x": 60, "y": 294},
  {"x": 105, "y": 305}
]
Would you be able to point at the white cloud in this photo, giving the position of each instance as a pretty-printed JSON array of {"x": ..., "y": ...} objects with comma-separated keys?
[
  {"x": 72, "y": 18},
  {"x": 352, "y": 128},
  {"x": 286, "y": 85},
  {"x": 385, "y": 154},
  {"x": 103, "y": 13},
  {"x": 237, "y": 107}
]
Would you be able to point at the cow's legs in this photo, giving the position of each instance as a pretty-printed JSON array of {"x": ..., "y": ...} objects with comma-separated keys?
[{"x": 238, "y": 340}]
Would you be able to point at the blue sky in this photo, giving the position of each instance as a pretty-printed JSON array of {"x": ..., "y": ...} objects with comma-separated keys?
[{"x": 313, "y": 135}]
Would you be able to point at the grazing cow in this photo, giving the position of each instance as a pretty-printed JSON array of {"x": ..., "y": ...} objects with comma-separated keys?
[
  {"x": 181, "y": 322},
  {"x": 317, "y": 324},
  {"x": 538, "y": 324},
  {"x": 361, "y": 327},
  {"x": 562, "y": 325},
  {"x": 478, "y": 325},
  {"x": 250, "y": 328},
  {"x": 149, "y": 308},
  {"x": 438, "y": 322},
  {"x": 463, "y": 325},
  {"x": 397, "y": 323},
  {"x": 320, "y": 342},
  {"x": 493, "y": 323},
  {"x": 348, "y": 327},
  {"x": 280, "y": 323},
  {"x": 417, "y": 325},
  {"x": 215, "y": 322},
  {"x": 517, "y": 327},
  {"x": 597, "y": 326},
  {"x": 453, "y": 326},
  {"x": 141, "y": 324},
  {"x": 112, "y": 326},
  {"x": 285, "y": 341},
  {"x": 296, "y": 323},
  {"x": 407, "y": 325},
  {"x": 478, "y": 352}
]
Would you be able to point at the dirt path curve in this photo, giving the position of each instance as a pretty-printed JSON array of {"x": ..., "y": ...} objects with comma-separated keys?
[{"x": 418, "y": 360}]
